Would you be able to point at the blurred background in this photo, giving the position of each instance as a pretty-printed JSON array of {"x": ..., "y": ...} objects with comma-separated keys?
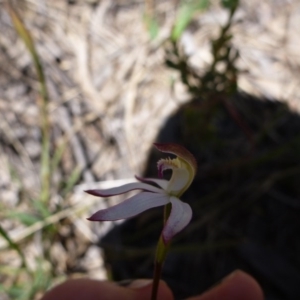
[{"x": 86, "y": 87}]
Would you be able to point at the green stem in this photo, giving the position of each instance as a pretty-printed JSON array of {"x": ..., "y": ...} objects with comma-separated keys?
[
  {"x": 162, "y": 250},
  {"x": 156, "y": 277}
]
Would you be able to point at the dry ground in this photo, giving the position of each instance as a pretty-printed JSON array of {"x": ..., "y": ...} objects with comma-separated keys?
[{"x": 110, "y": 93}]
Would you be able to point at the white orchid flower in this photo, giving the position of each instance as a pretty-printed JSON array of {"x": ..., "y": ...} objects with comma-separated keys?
[{"x": 183, "y": 171}]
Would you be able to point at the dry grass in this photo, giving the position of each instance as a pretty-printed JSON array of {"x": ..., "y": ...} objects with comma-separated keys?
[{"x": 110, "y": 93}]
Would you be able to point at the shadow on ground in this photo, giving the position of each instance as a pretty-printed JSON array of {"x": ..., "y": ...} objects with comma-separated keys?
[{"x": 245, "y": 199}]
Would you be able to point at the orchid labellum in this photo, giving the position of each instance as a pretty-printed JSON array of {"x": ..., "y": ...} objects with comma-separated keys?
[{"x": 156, "y": 192}]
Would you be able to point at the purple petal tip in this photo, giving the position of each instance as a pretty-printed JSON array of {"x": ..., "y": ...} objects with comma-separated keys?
[
  {"x": 166, "y": 241},
  {"x": 92, "y": 219},
  {"x": 93, "y": 192}
]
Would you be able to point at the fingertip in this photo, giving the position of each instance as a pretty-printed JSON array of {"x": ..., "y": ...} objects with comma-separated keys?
[
  {"x": 240, "y": 285},
  {"x": 88, "y": 289},
  {"x": 236, "y": 286}
]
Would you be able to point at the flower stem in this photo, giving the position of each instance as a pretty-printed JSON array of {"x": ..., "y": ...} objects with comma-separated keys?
[
  {"x": 160, "y": 256},
  {"x": 156, "y": 278}
]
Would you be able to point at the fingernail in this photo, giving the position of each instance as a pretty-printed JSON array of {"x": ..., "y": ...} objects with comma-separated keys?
[{"x": 140, "y": 283}]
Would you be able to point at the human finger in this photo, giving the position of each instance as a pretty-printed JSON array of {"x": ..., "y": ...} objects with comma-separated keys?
[
  {"x": 236, "y": 286},
  {"x": 87, "y": 289}
]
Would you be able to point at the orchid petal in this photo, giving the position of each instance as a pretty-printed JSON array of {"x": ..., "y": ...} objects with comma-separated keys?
[
  {"x": 180, "y": 216},
  {"x": 179, "y": 180},
  {"x": 130, "y": 207},
  {"x": 179, "y": 151},
  {"x": 160, "y": 182},
  {"x": 184, "y": 167},
  {"x": 124, "y": 189}
]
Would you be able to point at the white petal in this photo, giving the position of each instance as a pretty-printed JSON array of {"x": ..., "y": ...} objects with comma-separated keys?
[
  {"x": 124, "y": 189},
  {"x": 160, "y": 182},
  {"x": 180, "y": 216},
  {"x": 130, "y": 207}
]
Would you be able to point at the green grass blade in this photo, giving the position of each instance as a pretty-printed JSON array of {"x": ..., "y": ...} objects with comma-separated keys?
[
  {"x": 185, "y": 15},
  {"x": 25, "y": 35},
  {"x": 12, "y": 245}
]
